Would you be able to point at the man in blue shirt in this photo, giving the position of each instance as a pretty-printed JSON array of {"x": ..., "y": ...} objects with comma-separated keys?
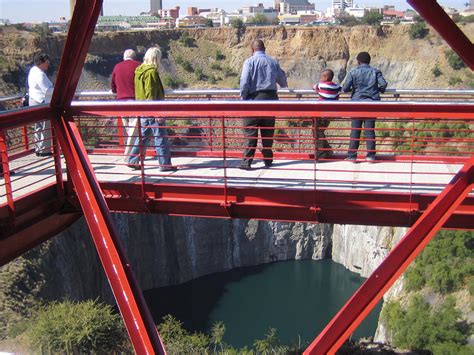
[
  {"x": 366, "y": 84},
  {"x": 258, "y": 81}
]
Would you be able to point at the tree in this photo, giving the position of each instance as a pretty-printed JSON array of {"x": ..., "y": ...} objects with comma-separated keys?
[
  {"x": 372, "y": 18},
  {"x": 217, "y": 335},
  {"x": 260, "y": 19},
  {"x": 209, "y": 23},
  {"x": 347, "y": 20},
  {"x": 454, "y": 60},
  {"x": 436, "y": 71},
  {"x": 418, "y": 30},
  {"x": 237, "y": 23}
]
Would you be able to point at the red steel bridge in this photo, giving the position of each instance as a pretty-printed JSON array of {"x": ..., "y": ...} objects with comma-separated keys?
[{"x": 423, "y": 177}]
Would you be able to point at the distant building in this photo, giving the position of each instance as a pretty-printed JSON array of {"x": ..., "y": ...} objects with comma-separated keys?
[
  {"x": 117, "y": 23},
  {"x": 341, "y": 5},
  {"x": 292, "y": 6},
  {"x": 155, "y": 6},
  {"x": 191, "y": 22},
  {"x": 356, "y": 11},
  {"x": 4, "y": 22},
  {"x": 173, "y": 13}
]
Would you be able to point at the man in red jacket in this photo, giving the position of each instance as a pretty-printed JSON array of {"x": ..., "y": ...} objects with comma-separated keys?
[{"x": 123, "y": 86}]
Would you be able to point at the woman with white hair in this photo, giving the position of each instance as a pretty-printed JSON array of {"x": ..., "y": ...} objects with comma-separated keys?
[{"x": 148, "y": 86}]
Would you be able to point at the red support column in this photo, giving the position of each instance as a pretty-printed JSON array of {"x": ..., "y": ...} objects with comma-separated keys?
[
  {"x": 434, "y": 14},
  {"x": 373, "y": 289},
  {"x": 125, "y": 288},
  {"x": 6, "y": 174}
]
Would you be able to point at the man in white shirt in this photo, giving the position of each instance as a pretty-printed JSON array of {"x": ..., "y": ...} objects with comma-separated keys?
[{"x": 40, "y": 89}]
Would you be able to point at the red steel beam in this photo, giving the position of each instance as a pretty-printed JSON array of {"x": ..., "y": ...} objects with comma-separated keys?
[
  {"x": 298, "y": 109},
  {"x": 137, "y": 318},
  {"x": 125, "y": 288},
  {"x": 23, "y": 116},
  {"x": 434, "y": 14},
  {"x": 373, "y": 289},
  {"x": 338, "y": 207}
]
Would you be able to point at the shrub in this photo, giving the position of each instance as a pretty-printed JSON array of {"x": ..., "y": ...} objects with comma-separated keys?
[
  {"x": 179, "y": 60},
  {"x": 454, "y": 60},
  {"x": 173, "y": 82},
  {"x": 454, "y": 80},
  {"x": 186, "y": 40},
  {"x": 418, "y": 327},
  {"x": 209, "y": 23},
  {"x": 216, "y": 66},
  {"x": 436, "y": 71},
  {"x": 187, "y": 66},
  {"x": 77, "y": 327},
  {"x": 418, "y": 30},
  {"x": 237, "y": 23},
  {"x": 219, "y": 55},
  {"x": 199, "y": 74},
  {"x": 372, "y": 18},
  {"x": 212, "y": 79},
  {"x": 229, "y": 72},
  {"x": 347, "y": 20}
]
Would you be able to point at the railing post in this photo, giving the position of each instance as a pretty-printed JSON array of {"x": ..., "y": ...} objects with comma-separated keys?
[
  {"x": 6, "y": 174},
  {"x": 210, "y": 134},
  {"x": 120, "y": 131},
  {"x": 26, "y": 142},
  {"x": 224, "y": 156},
  {"x": 57, "y": 164},
  {"x": 142, "y": 150}
]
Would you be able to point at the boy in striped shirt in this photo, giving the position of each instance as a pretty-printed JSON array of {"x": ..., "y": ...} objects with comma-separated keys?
[{"x": 326, "y": 90}]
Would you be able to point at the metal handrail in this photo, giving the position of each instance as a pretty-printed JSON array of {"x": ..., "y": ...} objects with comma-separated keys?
[{"x": 296, "y": 92}]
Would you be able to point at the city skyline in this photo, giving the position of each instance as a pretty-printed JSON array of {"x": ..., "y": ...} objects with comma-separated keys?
[{"x": 52, "y": 10}]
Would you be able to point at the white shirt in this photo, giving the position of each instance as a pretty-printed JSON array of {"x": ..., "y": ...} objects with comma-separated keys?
[{"x": 39, "y": 86}]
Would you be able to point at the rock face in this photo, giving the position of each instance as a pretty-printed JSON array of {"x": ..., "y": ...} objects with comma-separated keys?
[{"x": 167, "y": 250}]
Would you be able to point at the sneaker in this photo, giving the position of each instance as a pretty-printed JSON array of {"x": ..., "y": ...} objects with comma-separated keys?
[
  {"x": 245, "y": 166},
  {"x": 370, "y": 159},
  {"x": 44, "y": 154},
  {"x": 351, "y": 159},
  {"x": 168, "y": 168},
  {"x": 134, "y": 166},
  {"x": 268, "y": 163}
]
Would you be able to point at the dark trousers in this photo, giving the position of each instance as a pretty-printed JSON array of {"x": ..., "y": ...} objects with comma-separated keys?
[
  {"x": 369, "y": 132},
  {"x": 321, "y": 145},
  {"x": 266, "y": 125}
]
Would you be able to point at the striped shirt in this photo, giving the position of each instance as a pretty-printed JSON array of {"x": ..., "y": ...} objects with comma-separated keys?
[{"x": 327, "y": 90}]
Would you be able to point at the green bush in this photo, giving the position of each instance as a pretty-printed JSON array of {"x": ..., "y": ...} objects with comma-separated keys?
[
  {"x": 212, "y": 79},
  {"x": 186, "y": 41},
  {"x": 454, "y": 80},
  {"x": 454, "y": 60},
  {"x": 372, "y": 18},
  {"x": 436, "y": 71},
  {"x": 209, "y": 23},
  {"x": 237, "y": 23},
  {"x": 199, "y": 74},
  {"x": 173, "y": 82},
  {"x": 418, "y": 30},
  {"x": 69, "y": 327},
  {"x": 179, "y": 60},
  {"x": 419, "y": 327},
  {"x": 229, "y": 72},
  {"x": 445, "y": 264},
  {"x": 219, "y": 55},
  {"x": 216, "y": 66},
  {"x": 187, "y": 66}
]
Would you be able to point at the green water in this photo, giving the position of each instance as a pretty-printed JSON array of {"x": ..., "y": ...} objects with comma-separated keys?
[{"x": 296, "y": 297}]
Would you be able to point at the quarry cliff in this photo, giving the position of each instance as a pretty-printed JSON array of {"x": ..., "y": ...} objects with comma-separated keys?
[{"x": 302, "y": 53}]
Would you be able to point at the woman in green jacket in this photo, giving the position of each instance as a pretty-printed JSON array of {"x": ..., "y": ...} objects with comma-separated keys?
[{"x": 148, "y": 86}]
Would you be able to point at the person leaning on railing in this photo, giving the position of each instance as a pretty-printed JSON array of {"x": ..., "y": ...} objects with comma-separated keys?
[
  {"x": 366, "y": 84},
  {"x": 148, "y": 86},
  {"x": 40, "y": 89},
  {"x": 258, "y": 81}
]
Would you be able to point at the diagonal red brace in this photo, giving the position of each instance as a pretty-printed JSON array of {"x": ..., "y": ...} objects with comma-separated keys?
[
  {"x": 434, "y": 14},
  {"x": 373, "y": 289}
]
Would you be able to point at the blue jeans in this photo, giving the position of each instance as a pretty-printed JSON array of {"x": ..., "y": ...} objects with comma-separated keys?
[
  {"x": 369, "y": 125},
  {"x": 152, "y": 129}
]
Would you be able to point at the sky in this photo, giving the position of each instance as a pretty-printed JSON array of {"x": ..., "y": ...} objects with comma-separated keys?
[{"x": 47, "y": 10}]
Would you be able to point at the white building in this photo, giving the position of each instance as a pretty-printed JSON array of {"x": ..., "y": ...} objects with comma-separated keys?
[
  {"x": 356, "y": 11},
  {"x": 292, "y": 6},
  {"x": 341, "y": 4}
]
